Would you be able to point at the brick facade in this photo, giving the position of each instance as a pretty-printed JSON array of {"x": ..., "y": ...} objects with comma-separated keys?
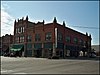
[
  {"x": 6, "y": 41},
  {"x": 39, "y": 39}
]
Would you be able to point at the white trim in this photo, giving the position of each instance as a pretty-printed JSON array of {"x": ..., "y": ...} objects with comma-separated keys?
[{"x": 55, "y": 37}]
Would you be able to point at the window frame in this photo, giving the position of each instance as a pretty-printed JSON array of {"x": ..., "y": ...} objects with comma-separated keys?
[
  {"x": 68, "y": 39},
  {"x": 75, "y": 40},
  {"x": 29, "y": 38},
  {"x": 60, "y": 36},
  {"x": 48, "y": 36},
  {"x": 37, "y": 37}
]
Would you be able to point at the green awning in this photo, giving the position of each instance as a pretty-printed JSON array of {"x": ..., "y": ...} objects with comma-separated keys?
[{"x": 16, "y": 47}]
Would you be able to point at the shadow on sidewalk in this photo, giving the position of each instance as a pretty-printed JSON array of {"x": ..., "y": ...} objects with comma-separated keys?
[{"x": 84, "y": 58}]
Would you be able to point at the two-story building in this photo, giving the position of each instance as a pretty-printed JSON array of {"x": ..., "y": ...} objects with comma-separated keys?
[{"x": 6, "y": 40}]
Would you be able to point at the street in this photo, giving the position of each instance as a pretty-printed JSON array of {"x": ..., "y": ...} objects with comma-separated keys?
[{"x": 30, "y": 65}]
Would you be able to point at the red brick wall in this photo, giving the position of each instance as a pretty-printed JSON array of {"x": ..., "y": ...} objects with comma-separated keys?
[{"x": 42, "y": 29}]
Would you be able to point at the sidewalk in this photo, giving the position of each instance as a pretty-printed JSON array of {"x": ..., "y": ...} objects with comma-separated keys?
[
  {"x": 84, "y": 58},
  {"x": 73, "y": 58}
]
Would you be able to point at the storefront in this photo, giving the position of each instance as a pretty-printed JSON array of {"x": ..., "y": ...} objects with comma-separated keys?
[
  {"x": 73, "y": 50},
  {"x": 60, "y": 50},
  {"x": 48, "y": 49},
  {"x": 16, "y": 50},
  {"x": 37, "y": 49}
]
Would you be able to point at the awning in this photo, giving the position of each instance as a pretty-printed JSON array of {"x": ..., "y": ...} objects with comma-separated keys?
[{"x": 16, "y": 47}]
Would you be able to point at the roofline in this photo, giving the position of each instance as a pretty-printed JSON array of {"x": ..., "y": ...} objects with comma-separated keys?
[{"x": 72, "y": 29}]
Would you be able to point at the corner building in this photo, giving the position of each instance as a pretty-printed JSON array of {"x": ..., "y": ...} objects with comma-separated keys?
[{"x": 47, "y": 40}]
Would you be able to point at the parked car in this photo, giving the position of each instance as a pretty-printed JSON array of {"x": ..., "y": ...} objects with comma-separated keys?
[
  {"x": 92, "y": 55},
  {"x": 6, "y": 54},
  {"x": 12, "y": 55}
]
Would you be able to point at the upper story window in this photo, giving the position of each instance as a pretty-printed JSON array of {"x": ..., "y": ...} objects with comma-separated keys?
[
  {"x": 21, "y": 38},
  {"x": 20, "y": 30},
  {"x": 29, "y": 38},
  {"x": 17, "y": 39},
  {"x": 37, "y": 37},
  {"x": 60, "y": 36},
  {"x": 81, "y": 42},
  {"x": 16, "y": 30},
  {"x": 68, "y": 39},
  {"x": 76, "y": 40},
  {"x": 23, "y": 29},
  {"x": 48, "y": 36}
]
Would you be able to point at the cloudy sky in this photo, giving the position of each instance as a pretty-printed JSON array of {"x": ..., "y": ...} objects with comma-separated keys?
[{"x": 82, "y": 16}]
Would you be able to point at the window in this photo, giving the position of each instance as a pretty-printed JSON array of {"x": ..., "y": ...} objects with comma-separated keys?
[
  {"x": 29, "y": 45},
  {"x": 17, "y": 39},
  {"x": 37, "y": 37},
  {"x": 48, "y": 36},
  {"x": 76, "y": 40},
  {"x": 22, "y": 39},
  {"x": 16, "y": 30},
  {"x": 19, "y": 29},
  {"x": 23, "y": 29},
  {"x": 81, "y": 42},
  {"x": 68, "y": 39},
  {"x": 60, "y": 37},
  {"x": 29, "y": 38}
]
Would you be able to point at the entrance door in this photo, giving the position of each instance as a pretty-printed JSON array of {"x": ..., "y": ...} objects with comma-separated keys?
[
  {"x": 38, "y": 53},
  {"x": 61, "y": 53}
]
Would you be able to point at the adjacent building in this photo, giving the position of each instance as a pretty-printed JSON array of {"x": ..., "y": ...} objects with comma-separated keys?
[
  {"x": 0, "y": 45},
  {"x": 5, "y": 43},
  {"x": 96, "y": 48},
  {"x": 45, "y": 40}
]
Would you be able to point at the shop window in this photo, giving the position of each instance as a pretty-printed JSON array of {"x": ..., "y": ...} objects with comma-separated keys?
[{"x": 29, "y": 45}]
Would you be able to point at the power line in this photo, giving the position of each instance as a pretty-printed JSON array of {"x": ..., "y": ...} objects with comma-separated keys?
[{"x": 86, "y": 27}]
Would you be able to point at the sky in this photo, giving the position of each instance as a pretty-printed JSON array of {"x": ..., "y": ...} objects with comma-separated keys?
[{"x": 82, "y": 16}]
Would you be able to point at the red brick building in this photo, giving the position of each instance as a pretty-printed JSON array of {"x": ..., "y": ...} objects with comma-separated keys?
[
  {"x": 5, "y": 43},
  {"x": 45, "y": 40},
  {"x": 0, "y": 45}
]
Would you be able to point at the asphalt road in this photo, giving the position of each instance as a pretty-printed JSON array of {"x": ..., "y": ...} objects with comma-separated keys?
[{"x": 12, "y": 65}]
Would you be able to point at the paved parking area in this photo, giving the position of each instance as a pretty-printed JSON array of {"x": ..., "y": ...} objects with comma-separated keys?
[{"x": 13, "y": 65}]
